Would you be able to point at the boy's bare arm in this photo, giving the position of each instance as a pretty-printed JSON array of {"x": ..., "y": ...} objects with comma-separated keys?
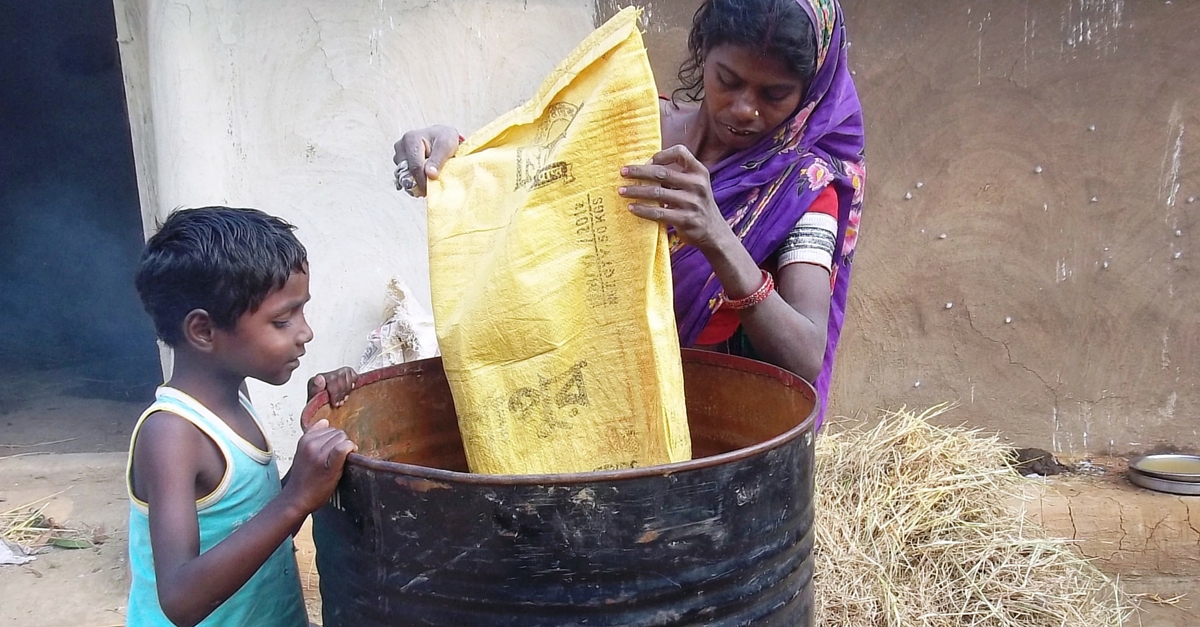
[{"x": 191, "y": 585}]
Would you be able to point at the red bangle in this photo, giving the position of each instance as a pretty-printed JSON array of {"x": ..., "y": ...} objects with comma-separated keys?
[{"x": 756, "y": 297}]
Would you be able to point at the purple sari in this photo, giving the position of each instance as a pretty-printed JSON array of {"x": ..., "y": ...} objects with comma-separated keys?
[{"x": 763, "y": 191}]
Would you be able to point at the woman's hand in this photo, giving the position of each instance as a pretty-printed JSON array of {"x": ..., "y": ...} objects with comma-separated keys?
[
  {"x": 683, "y": 188},
  {"x": 788, "y": 328},
  {"x": 420, "y": 155}
]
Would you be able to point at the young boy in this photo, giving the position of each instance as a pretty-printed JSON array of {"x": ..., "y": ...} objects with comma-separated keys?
[{"x": 210, "y": 525}]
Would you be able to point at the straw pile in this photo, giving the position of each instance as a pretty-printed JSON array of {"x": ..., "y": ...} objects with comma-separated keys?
[
  {"x": 28, "y": 529},
  {"x": 920, "y": 525}
]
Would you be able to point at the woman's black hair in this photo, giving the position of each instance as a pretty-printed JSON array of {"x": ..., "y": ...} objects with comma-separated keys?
[
  {"x": 777, "y": 27},
  {"x": 222, "y": 260}
]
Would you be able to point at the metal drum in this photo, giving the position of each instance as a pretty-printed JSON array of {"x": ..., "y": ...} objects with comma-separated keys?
[{"x": 411, "y": 538}]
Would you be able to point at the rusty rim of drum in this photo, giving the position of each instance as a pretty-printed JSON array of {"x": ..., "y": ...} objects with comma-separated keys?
[{"x": 742, "y": 364}]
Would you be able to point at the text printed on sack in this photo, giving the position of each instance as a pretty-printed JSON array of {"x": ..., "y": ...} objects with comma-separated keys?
[{"x": 591, "y": 229}]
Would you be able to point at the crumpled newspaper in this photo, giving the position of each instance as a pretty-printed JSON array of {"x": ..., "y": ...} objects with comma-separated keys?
[
  {"x": 13, "y": 554},
  {"x": 407, "y": 335}
]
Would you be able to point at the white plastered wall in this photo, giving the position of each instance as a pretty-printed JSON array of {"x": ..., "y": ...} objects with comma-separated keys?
[{"x": 292, "y": 107}]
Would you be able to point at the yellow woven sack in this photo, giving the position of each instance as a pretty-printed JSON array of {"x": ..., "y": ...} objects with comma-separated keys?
[{"x": 552, "y": 303}]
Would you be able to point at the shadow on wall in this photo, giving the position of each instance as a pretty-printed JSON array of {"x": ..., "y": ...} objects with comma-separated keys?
[{"x": 68, "y": 201}]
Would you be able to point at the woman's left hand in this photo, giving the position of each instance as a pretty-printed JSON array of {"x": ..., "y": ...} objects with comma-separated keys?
[{"x": 684, "y": 190}]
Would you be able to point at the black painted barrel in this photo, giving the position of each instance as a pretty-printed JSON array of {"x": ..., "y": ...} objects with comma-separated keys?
[{"x": 411, "y": 538}]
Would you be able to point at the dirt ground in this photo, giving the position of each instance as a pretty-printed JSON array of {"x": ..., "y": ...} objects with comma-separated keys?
[
  {"x": 88, "y": 587},
  {"x": 68, "y": 587},
  {"x": 55, "y": 411}
]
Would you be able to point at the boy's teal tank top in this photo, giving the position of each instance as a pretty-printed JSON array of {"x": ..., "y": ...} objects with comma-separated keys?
[{"x": 272, "y": 597}]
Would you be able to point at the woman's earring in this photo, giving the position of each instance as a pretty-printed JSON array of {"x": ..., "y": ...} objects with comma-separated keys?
[{"x": 756, "y": 113}]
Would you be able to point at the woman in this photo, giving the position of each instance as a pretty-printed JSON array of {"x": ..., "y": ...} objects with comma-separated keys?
[{"x": 761, "y": 182}]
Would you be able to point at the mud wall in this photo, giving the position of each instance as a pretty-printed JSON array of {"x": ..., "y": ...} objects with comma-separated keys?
[
  {"x": 1060, "y": 307},
  {"x": 292, "y": 107},
  {"x": 1071, "y": 322},
  {"x": 1094, "y": 259}
]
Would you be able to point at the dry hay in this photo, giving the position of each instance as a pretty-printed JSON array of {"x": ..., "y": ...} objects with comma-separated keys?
[
  {"x": 28, "y": 528},
  {"x": 920, "y": 525}
]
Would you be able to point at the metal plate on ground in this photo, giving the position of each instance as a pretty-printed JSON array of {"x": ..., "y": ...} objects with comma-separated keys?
[
  {"x": 1172, "y": 467},
  {"x": 1164, "y": 485}
]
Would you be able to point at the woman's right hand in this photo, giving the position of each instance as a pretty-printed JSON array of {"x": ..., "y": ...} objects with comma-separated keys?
[{"x": 424, "y": 151}]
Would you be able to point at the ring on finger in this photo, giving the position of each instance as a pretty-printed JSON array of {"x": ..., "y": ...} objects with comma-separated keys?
[{"x": 404, "y": 179}]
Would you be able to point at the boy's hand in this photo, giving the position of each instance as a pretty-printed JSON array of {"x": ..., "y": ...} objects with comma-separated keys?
[
  {"x": 339, "y": 383},
  {"x": 320, "y": 456}
]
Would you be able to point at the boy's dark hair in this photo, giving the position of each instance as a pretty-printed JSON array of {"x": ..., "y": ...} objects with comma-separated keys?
[
  {"x": 219, "y": 259},
  {"x": 777, "y": 27}
]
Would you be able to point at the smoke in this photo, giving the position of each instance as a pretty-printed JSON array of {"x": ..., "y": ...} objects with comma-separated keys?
[{"x": 70, "y": 225}]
